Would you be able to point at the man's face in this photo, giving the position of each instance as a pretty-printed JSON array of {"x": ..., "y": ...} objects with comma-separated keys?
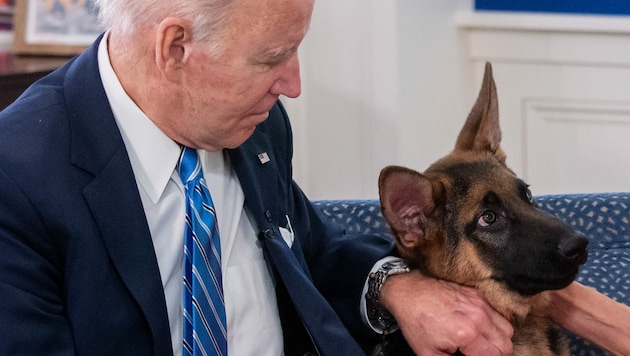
[{"x": 226, "y": 97}]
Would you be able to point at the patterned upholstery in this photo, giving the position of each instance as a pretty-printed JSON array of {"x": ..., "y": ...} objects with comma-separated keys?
[{"x": 604, "y": 218}]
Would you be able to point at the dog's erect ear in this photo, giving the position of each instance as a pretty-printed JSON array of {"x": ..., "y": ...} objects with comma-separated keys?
[
  {"x": 481, "y": 132},
  {"x": 406, "y": 201}
]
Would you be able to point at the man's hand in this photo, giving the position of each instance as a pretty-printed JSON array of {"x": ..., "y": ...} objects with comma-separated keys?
[{"x": 439, "y": 318}]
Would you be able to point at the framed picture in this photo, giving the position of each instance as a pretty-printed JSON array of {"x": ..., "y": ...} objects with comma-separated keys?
[{"x": 54, "y": 27}]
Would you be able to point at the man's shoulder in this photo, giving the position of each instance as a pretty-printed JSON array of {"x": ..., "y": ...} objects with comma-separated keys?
[{"x": 42, "y": 99}]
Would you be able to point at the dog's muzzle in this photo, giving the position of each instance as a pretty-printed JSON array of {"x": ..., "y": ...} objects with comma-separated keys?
[{"x": 574, "y": 250}]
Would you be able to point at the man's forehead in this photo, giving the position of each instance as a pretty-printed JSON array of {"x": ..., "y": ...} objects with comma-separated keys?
[{"x": 274, "y": 29}]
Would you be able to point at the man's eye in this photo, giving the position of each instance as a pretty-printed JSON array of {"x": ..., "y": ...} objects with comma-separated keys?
[
  {"x": 277, "y": 59},
  {"x": 274, "y": 63}
]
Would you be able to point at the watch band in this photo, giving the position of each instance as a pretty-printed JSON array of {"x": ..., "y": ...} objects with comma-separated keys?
[{"x": 377, "y": 314}]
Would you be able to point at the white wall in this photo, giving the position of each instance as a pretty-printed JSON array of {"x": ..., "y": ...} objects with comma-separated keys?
[
  {"x": 391, "y": 82},
  {"x": 563, "y": 83},
  {"x": 382, "y": 84}
]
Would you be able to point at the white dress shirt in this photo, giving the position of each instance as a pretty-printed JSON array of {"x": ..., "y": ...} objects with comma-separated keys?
[{"x": 250, "y": 301}]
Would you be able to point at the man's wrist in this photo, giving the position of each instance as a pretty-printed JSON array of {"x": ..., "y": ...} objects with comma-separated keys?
[{"x": 378, "y": 316}]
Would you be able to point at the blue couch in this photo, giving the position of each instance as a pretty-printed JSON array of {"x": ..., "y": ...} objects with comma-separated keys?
[{"x": 603, "y": 217}]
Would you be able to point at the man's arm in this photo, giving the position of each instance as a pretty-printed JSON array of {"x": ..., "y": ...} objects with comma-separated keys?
[
  {"x": 593, "y": 316},
  {"x": 439, "y": 318},
  {"x": 31, "y": 306}
]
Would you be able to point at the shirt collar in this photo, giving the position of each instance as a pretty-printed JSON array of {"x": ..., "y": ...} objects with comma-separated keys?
[{"x": 153, "y": 155}]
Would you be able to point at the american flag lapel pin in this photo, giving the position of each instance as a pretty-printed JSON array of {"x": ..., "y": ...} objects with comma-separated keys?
[{"x": 263, "y": 157}]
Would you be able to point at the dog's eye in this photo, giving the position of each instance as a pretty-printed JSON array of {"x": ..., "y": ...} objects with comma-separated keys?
[{"x": 487, "y": 218}]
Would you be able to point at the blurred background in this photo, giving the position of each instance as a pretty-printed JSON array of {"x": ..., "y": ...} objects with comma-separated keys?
[{"x": 391, "y": 82}]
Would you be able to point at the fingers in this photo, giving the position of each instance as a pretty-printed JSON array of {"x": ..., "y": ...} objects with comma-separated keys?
[
  {"x": 501, "y": 334},
  {"x": 484, "y": 347},
  {"x": 439, "y": 318},
  {"x": 482, "y": 330}
]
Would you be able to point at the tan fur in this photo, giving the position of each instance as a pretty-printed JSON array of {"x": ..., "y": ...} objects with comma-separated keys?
[{"x": 413, "y": 204}]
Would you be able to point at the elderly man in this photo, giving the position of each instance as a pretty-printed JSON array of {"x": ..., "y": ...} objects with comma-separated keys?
[{"x": 148, "y": 206}]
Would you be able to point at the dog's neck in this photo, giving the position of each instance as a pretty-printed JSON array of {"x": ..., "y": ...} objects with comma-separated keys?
[{"x": 511, "y": 305}]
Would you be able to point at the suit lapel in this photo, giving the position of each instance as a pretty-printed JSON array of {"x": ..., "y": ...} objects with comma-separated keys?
[
  {"x": 97, "y": 147},
  {"x": 117, "y": 210},
  {"x": 266, "y": 198},
  {"x": 258, "y": 180}
]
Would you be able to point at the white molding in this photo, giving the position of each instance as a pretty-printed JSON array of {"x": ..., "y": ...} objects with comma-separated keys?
[
  {"x": 542, "y": 22},
  {"x": 576, "y": 146},
  {"x": 564, "y": 95},
  {"x": 557, "y": 39}
]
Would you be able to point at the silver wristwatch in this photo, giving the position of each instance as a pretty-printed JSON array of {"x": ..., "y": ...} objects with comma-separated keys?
[{"x": 377, "y": 314}]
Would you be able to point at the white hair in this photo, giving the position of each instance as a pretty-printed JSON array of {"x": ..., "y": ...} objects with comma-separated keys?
[{"x": 129, "y": 16}]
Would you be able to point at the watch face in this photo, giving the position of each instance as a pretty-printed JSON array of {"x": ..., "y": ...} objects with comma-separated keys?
[
  {"x": 389, "y": 264},
  {"x": 394, "y": 264}
]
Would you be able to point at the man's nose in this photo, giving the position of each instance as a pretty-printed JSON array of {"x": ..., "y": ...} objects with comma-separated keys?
[{"x": 289, "y": 83}]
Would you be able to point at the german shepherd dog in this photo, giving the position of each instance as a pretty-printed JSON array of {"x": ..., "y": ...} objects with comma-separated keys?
[{"x": 469, "y": 219}]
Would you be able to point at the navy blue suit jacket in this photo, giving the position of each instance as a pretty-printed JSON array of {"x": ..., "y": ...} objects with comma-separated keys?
[{"x": 78, "y": 272}]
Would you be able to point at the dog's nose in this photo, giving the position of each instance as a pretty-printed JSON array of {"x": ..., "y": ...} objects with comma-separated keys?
[{"x": 574, "y": 249}]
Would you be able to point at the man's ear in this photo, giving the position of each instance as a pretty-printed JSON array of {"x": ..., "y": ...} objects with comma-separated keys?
[{"x": 173, "y": 39}]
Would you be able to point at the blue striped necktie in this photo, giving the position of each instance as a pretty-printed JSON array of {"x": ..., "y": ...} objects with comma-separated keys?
[{"x": 203, "y": 304}]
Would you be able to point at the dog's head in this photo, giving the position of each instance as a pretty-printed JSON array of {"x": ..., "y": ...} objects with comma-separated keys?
[{"x": 469, "y": 219}]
